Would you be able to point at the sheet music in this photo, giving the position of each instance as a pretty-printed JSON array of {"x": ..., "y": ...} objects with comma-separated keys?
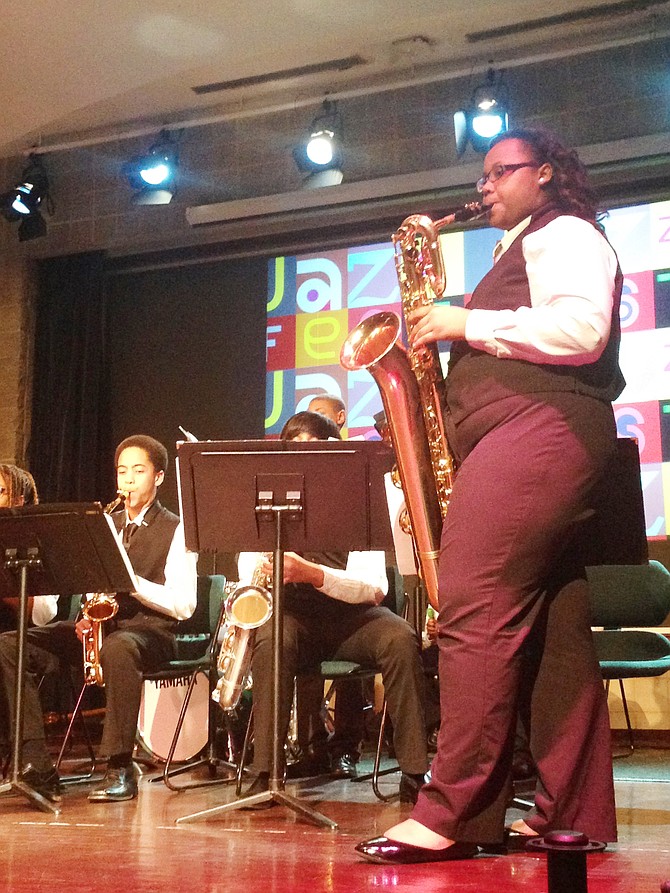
[
  {"x": 402, "y": 542},
  {"x": 122, "y": 551}
]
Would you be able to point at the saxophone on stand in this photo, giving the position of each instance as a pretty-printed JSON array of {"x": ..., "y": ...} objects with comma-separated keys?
[
  {"x": 411, "y": 384},
  {"x": 247, "y": 607},
  {"x": 98, "y": 608}
]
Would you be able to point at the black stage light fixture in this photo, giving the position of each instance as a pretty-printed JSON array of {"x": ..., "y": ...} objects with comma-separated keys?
[
  {"x": 484, "y": 118},
  {"x": 320, "y": 154},
  {"x": 24, "y": 202},
  {"x": 153, "y": 175}
]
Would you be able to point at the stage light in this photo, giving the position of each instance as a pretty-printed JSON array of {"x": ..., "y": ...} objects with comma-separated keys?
[
  {"x": 485, "y": 117},
  {"x": 153, "y": 175},
  {"x": 320, "y": 154},
  {"x": 24, "y": 201}
]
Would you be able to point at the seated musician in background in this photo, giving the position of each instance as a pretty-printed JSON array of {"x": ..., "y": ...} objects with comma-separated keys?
[
  {"x": 137, "y": 640},
  {"x": 332, "y": 612},
  {"x": 340, "y": 754},
  {"x": 17, "y": 488},
  {"x": 331, "y": 406}
]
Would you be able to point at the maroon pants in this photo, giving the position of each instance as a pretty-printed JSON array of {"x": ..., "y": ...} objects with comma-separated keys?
[{"x": 514, "y": 624}]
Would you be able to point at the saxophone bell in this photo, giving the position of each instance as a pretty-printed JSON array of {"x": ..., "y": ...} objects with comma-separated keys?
[{"x": 247, "y": 607}]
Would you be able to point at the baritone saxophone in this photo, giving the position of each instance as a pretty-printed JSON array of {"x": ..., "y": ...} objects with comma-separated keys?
[
  {"x": 247, "y": 607},
  {"x": 411, "y": 384}
]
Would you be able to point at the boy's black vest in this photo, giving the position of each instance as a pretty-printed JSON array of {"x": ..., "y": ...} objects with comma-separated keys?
[
  {"x": 147, "y": 550},
  {"x": 476, "y": 378},
  {"x": 303, "y": 600}
]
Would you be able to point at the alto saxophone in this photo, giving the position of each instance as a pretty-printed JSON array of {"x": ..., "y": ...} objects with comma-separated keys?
[
  {"x": 412, "y": 385},
  {"x": 97, "y": 608},
  {"x": 247, "y": 607}
]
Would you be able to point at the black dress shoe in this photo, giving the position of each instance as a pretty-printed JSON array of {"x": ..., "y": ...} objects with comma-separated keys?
[
  {"x": 118, "y": 784},
  {"x": 410, "y": 785},
  {"x": 344, "y": 766},
  {"x": 308, "y": 766},
  {"x": 392, "y": 852},
  {"x": 45, "y": 782}
]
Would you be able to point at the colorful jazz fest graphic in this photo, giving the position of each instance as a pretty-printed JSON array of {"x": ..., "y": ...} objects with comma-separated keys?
[{"x": 314, "y": 300}]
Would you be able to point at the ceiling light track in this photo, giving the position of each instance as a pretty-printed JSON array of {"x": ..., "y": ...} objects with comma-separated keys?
[
  {"x": 287, "y": 74},
  {"x": 368, "y": 89},
  {"x": 584, "y": 14}
]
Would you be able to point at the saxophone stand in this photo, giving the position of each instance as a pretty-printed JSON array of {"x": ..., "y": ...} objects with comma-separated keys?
[
  {"x": 67, "y": 549},
  {"x": 269, "y": 495},
  {"x": 16, "y": 784}
]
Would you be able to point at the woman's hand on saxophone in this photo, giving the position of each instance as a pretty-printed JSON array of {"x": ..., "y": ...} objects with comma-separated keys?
[{"x": 437, "y": 323}]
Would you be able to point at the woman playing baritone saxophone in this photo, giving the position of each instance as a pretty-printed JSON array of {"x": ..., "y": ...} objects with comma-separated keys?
[{"x": 532, "y": 374}]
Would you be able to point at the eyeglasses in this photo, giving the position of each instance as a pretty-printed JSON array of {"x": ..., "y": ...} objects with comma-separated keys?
[{"x": 499, "y": 170}]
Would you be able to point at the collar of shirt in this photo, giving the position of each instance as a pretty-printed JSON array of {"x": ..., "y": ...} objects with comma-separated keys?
[
  {"x": 508, "y": 237},
  {"x": 139, "y": 520}
]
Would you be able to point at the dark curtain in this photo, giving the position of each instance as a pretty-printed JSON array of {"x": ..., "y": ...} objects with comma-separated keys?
[
  {"x": 141, "y": 351},
  {"x": 69, "y": 447}
]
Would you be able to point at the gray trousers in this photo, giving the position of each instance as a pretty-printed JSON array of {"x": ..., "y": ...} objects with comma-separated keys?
[
  {"x": 376, "y": 637},
  {"x": 137, "y": 645}
]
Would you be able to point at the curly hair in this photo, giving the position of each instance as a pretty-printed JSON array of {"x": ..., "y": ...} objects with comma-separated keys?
[
  {"x": 158, "y": 455},
  {"x": 20, "y": 484},
  {"x": 569, "y": 187},
  {"x": 319, "y": 426}
]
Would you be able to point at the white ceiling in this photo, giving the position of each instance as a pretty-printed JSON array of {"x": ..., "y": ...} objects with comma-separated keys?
[{"x": 88, "y": 69}]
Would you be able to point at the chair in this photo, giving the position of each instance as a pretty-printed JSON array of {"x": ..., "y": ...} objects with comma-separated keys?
[
  {"x": 197, "y": 654},
  {"x": 195, "y": 647},
  {"x": 397, "y": 600},
  {"x": 630, "y": 596},
  {"x": 333, "y": 671}
]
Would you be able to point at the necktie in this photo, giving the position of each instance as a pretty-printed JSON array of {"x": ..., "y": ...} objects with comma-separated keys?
[{"x": 128, "y": 532}]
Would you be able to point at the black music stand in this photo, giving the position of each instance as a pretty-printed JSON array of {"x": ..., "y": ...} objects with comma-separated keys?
[
  {"x": 260, "y": 496},
  {"x": 65, "y": 549}
]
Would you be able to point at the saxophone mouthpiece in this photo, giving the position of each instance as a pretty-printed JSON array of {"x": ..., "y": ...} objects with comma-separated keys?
[
  {"x": 461, "y": 213},
  {"x": 469, "y": 212},
  {"x": 120, "y": 499}
]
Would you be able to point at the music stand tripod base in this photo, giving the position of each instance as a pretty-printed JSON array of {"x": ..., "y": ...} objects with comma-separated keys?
[
  {"x": 20, "y": 787},
  {"x": 280, "y": 797}
]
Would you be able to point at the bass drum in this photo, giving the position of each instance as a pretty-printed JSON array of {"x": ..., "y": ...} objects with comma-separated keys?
[{"x": 159, "y": 711}]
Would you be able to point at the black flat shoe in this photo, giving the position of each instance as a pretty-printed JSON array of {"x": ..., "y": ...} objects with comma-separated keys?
[{"x": 392, "y": 852}]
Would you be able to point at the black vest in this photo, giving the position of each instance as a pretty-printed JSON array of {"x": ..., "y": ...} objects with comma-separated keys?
[
  {"x": 148, "y": 551},
  {"x": 303, "y": 600},
  {"x": 476, "y": 378}
]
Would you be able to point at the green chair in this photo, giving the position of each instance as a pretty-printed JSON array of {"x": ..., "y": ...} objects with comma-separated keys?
[{"x": 624, "y": 596}]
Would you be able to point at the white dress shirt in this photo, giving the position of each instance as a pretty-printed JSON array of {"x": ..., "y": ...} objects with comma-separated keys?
[
  {"x": 571, "y": 271},
  {"x": 363, "y": 581},
  {"x": 177, "y": 596}
]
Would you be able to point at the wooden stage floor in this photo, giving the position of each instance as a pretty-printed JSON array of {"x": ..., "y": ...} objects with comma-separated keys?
[{"x": 136, "y": 846}]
